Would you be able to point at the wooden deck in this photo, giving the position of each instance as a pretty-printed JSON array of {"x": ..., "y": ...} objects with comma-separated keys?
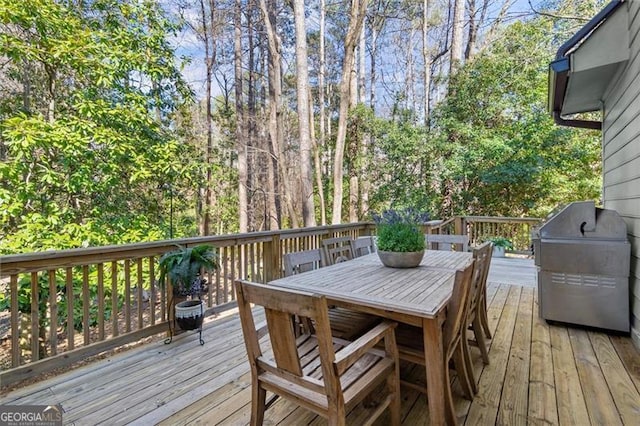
[{"x": 539, "y": 373}]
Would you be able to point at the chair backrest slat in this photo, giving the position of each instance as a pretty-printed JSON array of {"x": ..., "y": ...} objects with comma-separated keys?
[
  {"x": 301, "y": 261},
  {"x": 458, "y": 306},
  {"x": 482, "y": 257},
  {"x": 336, "y": 250},
  {"x": 362, "y": 246},
  {"x": 283, "y": 342},
  {"x": 446, "y": 241}
]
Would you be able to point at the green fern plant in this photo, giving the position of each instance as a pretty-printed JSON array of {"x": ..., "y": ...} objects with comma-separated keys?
[{"x": 184, "y": 265}]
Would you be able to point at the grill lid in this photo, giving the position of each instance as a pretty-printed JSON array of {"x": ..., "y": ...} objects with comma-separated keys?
[{"x": 581, "y": 219}]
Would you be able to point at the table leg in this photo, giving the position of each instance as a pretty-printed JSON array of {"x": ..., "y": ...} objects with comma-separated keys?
[{"x": 434, "y": 363}]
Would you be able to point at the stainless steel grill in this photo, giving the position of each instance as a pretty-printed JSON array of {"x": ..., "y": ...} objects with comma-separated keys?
[{"x": 583, "y": 256}]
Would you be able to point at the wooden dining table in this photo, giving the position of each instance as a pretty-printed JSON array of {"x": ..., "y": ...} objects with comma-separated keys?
[{"x": 415, "y": 296}]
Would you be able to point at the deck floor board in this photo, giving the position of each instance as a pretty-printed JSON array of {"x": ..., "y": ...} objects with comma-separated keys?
[{"x": 539, "y": 374}]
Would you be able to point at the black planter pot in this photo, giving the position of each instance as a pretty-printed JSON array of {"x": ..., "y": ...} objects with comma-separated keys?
[{"x": 190, "y": 314}]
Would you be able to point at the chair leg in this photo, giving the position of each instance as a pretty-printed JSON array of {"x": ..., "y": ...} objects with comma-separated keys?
[
  {"x": 393, "y": 387},
  {"x": 482, "y": 344},
  {"x": 336, "y": 418},
  {"x": 258, "y": 396},
  {"x": 469, "y": 365},
  {"x": 482, "y": 313},
  {"x": 449, "y": 409},
  {"x": 461, "y": 369}
]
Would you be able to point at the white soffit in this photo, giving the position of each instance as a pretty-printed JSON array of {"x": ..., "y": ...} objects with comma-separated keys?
[{"x": 595, "y": 62}]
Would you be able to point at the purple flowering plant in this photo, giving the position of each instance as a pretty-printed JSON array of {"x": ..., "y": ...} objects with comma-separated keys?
[{"x": 399, "y": 231}]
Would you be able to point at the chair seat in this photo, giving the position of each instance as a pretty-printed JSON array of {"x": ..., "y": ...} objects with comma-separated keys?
[{"x": 372, "y": 368}]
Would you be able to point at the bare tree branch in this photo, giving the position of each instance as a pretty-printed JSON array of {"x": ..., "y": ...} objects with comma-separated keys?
[{"x": 553, "y": 15}]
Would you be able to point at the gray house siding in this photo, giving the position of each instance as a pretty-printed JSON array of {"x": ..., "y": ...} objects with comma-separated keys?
[{"x": 621, "y": 154}]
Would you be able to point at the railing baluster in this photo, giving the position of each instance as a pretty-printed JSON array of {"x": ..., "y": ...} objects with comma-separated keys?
[
  {"x": 127, "y": 295},
  {"x": 246, "y": 248},
  {"x": 70, "y": 305},
  {"x": 140, "y": 284},
  {"x": 101, "y": 307},
  {"x": 53, "y": 312},
  {"x": 35, "y": 321},
  {"x": 225, "y": 275},
  {"x": 15, "y": 321},
  {"x": 232, "y": 294},
  {"x": 114, "y": 299},
  {"x": 218, "y": 297},
  {"x": 153, "y": 291},
  {"x": 85, "y": 304}
]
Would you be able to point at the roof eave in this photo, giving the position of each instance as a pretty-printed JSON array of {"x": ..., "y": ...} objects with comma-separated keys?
[{"x": 559, "y": 70}]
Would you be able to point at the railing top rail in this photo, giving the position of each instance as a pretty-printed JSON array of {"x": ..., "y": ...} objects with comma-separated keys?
[
  {"x": 51, "y": 259},
  {"x": 501, "y": 219}
]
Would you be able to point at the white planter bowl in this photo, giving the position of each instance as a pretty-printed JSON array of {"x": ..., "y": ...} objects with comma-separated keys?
[{"x": 498, "y": 251}]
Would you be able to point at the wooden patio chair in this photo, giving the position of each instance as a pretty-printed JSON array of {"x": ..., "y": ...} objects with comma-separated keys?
[
  {"x": 447, "y": 242},
  {"x": 482, "y": 307},
  {"x": 345, "y": 323},
  {"x": 362, "y": 246},
  {"x": 301, "y": 261},
  {"x": 411, "y": 343},
  {"x": 326, "y": 375},
  {"x": 336, "y": 250},
  {"x": 482, "y": 259}
]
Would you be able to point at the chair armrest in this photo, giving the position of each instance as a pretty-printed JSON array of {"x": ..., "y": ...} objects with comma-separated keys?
[{"x": 348, "y": 355}]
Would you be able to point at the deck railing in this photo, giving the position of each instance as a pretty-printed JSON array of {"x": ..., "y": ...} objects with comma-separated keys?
[
  {"x": 76, "y": 303},
  {"x": 482, "y": 228},
  {"x": 70, "y": 304}
]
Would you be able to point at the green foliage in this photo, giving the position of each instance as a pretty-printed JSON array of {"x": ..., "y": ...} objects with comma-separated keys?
[
  {"x": 183, "y": 265},
  {"x": 501, "y": 152},
  {"x": 87, "y": 153},
  {"x": 501, "y": 242},
  {"x": 398, "y": 231},
  {"x": 402, "y": 237},
  {"x": 402, "y": 166}
]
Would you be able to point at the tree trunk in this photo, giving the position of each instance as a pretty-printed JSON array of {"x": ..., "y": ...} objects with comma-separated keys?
[
  {"x": 316, "y": 162},
  {"x": 373, "y": 72},
  {"x": 472, "y": 33},
  {"x": 51, "y": 93},
  {"x": 358, "y": 11},
  {"x": 241, "y": 131},
  {"x": 205, "y": 214},
  {"x": 26, "y": 83},
  {"x": 457, "y": 25},
  {"x": 302, "y": 86},
  {"x": 361, "y": 68},
  {"x": 426, "y": 57},
  {"x": 410, "y": 83},
  {"x": 322, "y": 118},
  {"x": 276, "y": 133},
  {"x": 250, "y": 119}
]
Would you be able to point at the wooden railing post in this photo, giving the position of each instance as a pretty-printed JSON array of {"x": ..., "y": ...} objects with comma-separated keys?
[
  {"x": 272, "y": 259},
  {"x": 457, "y": 226}
]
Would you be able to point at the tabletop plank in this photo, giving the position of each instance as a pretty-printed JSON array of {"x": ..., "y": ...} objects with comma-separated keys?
[{"x": 421, "y": 291}]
